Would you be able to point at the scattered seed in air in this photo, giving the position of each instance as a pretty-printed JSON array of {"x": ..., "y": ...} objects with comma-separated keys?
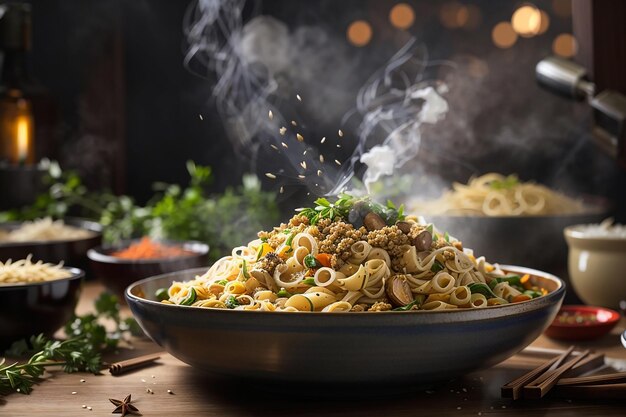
[
  {"x": 321, "y": 158},
  {"x": 274, "y": 147},
  {"x": 339, "y": 146},
  {"x": 270, "y": 175},
  {"x": 303, "y": 164},
  {"x": 458, "y": 408},
  {"x": 143, "y": 380},
  {"x": 298, "y": 97},
  {"x": 300, "y": 137},
  {"x": 304, "y": 153},
  {"x": 337, "y": 162},
  {"x": 169, "y": 391},
  {"x": 323, "y": 139},
  {"x": 200, "y": 116},
  {"x": 153, "y": 376},
  {"x": 82, "y": 380},
  {"x": 282, "y": 130},
  {"x": 319, "y": 172},
  {"x": 301, "y": 176},
  {"x": 282, "y": 189},
  {"x": 270, "y": 115},
  {"x": 293, "y": 122},
  {"x": 89, "y": 408},
  {"x": 73, "y": 392},
  {"x": 84, "y": 406},
  {"x": 340, "y": 132},
  {"x": 284, "y": 145}
]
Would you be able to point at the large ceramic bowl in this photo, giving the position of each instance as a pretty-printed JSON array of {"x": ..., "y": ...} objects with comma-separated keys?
[
  {"x": 118, "y": 273},
  {"x": 71, "y": 251},
  {"x": 31, "y": 308},
  {"x": 387, "y": 347}
]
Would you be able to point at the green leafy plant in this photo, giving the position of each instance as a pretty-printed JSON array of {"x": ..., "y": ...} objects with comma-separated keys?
[
  {"x": 88, "y": 338},
  {"x": 222, "y": 221},
  {"x": 341, "y": 208}
]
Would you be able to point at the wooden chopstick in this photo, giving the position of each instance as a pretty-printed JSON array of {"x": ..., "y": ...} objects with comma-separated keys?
[
  {"x": 593, "y": 392},
  {"x": 544, "y": 383},
  {"x": 617, "y": 377},
  {"x": 514, "y": 388},
  {"x": 118, "y": 368},
  {"x": 591, "y": 362}
]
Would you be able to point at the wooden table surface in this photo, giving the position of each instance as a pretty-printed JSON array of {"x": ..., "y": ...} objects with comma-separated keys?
[{"x": 194, "y": 394}]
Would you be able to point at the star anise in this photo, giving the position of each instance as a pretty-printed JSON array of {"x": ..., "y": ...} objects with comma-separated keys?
[{"x": 124, "y": 407}]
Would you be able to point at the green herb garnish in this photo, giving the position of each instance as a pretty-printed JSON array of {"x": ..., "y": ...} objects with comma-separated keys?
[
  {"x": 419, "y": 300},
  {"x": 505, "y": 184},
  {"x": 231, "y": 302},
  {"x": 283, "y": 293},
  {"x": 162, "y": 294},
  {"x": 437, "y": 266},
  {"x": 480, "y": 288},
  {"x": 446, "y": 237},
  {"x": 324, "y": 209},
  {"x": 311, "y": 262},
  {"x": 309, "y": 281},
  {"x": 190, "y": 299},
  {"x": 244, "y": 269},
  {"x": 222, "y": 282}
]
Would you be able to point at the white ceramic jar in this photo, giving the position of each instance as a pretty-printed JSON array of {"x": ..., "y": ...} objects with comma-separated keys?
[{"x": 597, "y": 266}]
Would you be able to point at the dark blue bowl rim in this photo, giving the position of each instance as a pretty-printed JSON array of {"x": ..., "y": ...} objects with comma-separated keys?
[
  {"x": 465, "y": 314},
  {"x": 98, "y": 254},
  {"x": 76, "y": 274}
]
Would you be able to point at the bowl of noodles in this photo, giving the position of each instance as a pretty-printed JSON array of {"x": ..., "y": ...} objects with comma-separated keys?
[
  {"x": 50, "y": 240},
  {"x": 512, "y": 221},
  {"x": 35, "y": 297},
  {"x": 347, "y": 292}
]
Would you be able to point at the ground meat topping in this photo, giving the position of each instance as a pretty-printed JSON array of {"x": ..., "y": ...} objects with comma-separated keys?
[
  {"x": 389, "y": 238},
  {"x": 380, "y": 306},
  {"x": 269, "y": 263},
  {"x": 339, "y": 237}
]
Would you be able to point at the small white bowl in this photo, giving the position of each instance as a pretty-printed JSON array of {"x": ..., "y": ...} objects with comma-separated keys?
[{"x": 597, "y": 266}]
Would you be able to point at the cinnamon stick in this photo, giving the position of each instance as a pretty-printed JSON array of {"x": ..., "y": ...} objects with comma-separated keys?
[{"x": 121, "y": 367}]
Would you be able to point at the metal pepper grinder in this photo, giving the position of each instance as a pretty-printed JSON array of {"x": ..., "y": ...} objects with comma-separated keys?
[{"x": 570, "y": 79}]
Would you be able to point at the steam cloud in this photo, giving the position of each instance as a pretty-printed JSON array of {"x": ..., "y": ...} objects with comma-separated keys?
[{"x": 260, "y": 66}]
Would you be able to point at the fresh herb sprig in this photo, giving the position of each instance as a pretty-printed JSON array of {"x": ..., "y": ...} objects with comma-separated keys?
[
  {"x": 505, "y": 184},
  {"x": 341, "y": 208},
  {"x": 88, "y": 338},
  {"x": 73, "y": 355}
]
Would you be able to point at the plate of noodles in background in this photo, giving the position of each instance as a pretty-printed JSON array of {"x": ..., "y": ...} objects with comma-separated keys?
[
  {"x": 50, "y": 240},
  {"x": 512, "y": 221},
  {"x": 349, "y": 292},
  {"x": 35, "y": 297}
]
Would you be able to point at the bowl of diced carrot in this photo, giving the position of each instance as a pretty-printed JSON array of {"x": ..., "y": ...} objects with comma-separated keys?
[{"x": 119, "y": 265}]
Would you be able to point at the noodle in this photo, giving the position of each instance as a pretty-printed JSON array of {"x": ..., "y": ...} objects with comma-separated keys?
[
  {"x": 496, "y": 195},
  {"x": 26, "y": 271},
  {"x": 333, "y": 266},
  {"x": 44, "y": 230}
]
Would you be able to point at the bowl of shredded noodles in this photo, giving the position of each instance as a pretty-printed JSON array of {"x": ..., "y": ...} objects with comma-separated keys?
[
  {"x": 347, "y": 291},
  {"x": 50, "y": 240},
  {"x": 508, "y": 219},
  {"x": 35, "y": 297}
]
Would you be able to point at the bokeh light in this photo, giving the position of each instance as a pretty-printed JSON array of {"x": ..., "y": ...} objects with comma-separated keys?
[
  {"x": 359, "y": 33},
  {"x": 565, "y": 45},
  {"x": 454, "y": 15},
  {"x": 503, "y": 35},
  {"x": 562, "y": 8},
  {"x": 526, "y": 21},
  {"x": 402, "y": 16},
  {"x": 545, "y": 22}
]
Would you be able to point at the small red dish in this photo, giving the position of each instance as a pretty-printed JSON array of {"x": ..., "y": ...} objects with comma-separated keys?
[{"x": 575, "y": 322}]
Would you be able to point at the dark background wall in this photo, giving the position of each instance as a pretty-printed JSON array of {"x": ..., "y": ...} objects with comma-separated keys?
[{"x": 120, "y": 63}]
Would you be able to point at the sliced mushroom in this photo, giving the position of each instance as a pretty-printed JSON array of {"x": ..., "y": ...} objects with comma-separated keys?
[
  {"x": 373, "y": 221},
  {"x": 423, "y": 241},
  {"x": 405, "y": 227},
  {"x": 399, "y": 291}
]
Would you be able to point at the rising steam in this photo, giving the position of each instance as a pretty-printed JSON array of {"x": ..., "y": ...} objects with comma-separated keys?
[{"x": 260, "y": 66}]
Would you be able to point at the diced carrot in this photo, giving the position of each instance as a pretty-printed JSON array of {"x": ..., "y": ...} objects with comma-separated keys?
[
  {"x": 519, "y": 298},
  {"x": 324, "y": 259}
]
